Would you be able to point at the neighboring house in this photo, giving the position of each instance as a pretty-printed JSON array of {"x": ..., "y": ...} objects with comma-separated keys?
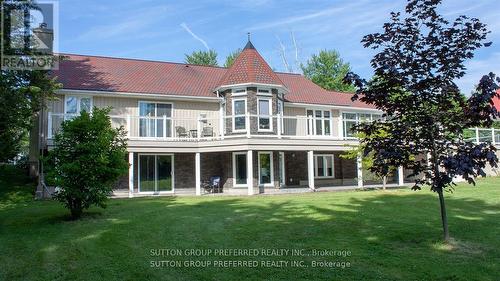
[
  {"x": 257, "y": 129},
  {"x": 496, "y": 101}
]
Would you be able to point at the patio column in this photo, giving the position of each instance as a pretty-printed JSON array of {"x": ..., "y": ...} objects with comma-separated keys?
[
  {"x": 197, "y": 165},
  {"x": 401, "y": 176},
  {"x": 310, "y": 169},
  {"x": 131, "y": 174},
  {"x": 359, "y": 164},
  {"x": 250, "y": 172}
]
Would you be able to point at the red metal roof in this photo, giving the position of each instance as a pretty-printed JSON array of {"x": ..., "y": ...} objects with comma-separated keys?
[
  {"x": 80, "y": 72},
  {"x": 249, "y": 67}
]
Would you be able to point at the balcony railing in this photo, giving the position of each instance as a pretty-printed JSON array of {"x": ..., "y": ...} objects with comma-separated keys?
[
  {"x": 214, "y": 127},
  {"x": 237, "y": 126},
  {"x": 481, "y": 135}
]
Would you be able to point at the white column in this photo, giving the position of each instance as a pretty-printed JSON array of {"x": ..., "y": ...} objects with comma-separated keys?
[
  {"x": 477, "y": 135},
  {"x": 131, "y": 175},
  {"x": 250, "y": 172},
  {"x": 401, "y": 176},
  {"x": 493, "y": 140},
  {"x": 197, "y": 164},
  {"x": 310, "y": 169},
  {"x": 359, "y": 164}
]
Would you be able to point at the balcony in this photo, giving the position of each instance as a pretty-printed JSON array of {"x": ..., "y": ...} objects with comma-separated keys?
[
  {"x": 174, "y": 129},
  {"x": 206, "y": 129}
]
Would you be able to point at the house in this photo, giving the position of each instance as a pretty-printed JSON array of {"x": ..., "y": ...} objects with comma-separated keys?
[
  {"x": 496, "y": 101},
  {"x": 257, "y": 129}
]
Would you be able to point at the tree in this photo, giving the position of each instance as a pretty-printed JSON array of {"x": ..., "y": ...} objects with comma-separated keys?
[
  {"x": 328, "y": 70},
  {"x": 88, "y": 158},
  {"x": 368, "y": 159},
  {"x": 420, "y": 56},
  {"x": 231, "y": 57},
  {"x": 202, "y": 58},
  {"x": 22, "y": 94}
]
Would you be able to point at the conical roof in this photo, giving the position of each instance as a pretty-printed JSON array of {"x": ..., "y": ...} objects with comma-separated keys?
[{"x": 250, "y": 67}]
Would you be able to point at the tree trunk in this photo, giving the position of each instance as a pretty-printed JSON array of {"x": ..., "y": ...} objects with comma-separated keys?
[
  {"x": 76, "y": 210},
  {"x": 384, "y": 182},
  {"x": 444, "y": 218}
]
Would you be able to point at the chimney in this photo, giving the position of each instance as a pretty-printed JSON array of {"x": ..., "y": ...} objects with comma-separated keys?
[{"x": 43, "y": 38}]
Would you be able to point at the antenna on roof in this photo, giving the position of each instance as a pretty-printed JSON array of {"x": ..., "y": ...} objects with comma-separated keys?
[{"x": 248, "y": 34}]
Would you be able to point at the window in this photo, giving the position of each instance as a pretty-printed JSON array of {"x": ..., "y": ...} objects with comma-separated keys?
[
  {"x": 350, "y": 120},
  {"x": 75, "y": 104},
  {"x": 262, "y": 92},
  {"x": 239, "y": 114},
  {"x": 265, "y": 168},
  {"x": 320, "y": 122},
  {"x": 155, "y": 119},
  {"x": 239, "y": 92},
  {"x": 264, "y": 114},
  {"x": 323, "y": 166},
  {"x": 240, "y": 169},
  {"x": 155, "y": 173}
]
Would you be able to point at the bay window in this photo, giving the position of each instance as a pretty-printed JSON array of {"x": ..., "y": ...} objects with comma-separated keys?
[
  {"x": 239, "y": 114},
  {"x": 264, "y": 112}
]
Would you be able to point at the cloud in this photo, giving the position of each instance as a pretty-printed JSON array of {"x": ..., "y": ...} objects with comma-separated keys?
[
  {"x": 184, "y": 25},
  {"x": 294, "y": 19},
  {"x": 127, "y": 26}
]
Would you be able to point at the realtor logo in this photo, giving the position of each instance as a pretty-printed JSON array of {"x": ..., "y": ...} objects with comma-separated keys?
[{"x": 29, "y": 35}]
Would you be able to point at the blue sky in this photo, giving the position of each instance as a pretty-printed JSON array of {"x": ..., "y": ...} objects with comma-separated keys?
[{"x": 166, "y": 30}]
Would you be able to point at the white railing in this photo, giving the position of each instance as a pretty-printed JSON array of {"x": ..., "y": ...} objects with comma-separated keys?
[
  {"x": 482, "y": 135},
  {"x": 214, "y": 127},
  {"x": 248, "y": 125}
]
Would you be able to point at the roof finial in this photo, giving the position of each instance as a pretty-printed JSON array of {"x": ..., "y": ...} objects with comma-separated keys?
[{"x": 248, "y": 33}]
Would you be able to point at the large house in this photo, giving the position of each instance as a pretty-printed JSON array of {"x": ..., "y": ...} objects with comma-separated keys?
[{"x": 257, "y": 129}]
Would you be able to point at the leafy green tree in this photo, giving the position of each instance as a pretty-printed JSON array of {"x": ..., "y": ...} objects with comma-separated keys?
[
  {"x": 22, "y": 94},
  {"x": 327, "y": 69},
  {"x": 231, "y": 57},
  {"x": 420, "y": 56},
  {"x": 88, "y": 158},
  {"x": 202, "y": 58}
]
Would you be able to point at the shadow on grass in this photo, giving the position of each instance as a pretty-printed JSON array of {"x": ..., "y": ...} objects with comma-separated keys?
[{"x": 392, "y": 236}]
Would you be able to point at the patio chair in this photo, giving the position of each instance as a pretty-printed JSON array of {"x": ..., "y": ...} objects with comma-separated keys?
[
  {"x": 214, "y": 185},
  {"x": 181, "y": 132},
  {"x": 207, "y": 132}
]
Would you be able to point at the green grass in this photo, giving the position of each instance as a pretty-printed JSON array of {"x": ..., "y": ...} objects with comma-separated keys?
[{"x": 392, "y": 235}]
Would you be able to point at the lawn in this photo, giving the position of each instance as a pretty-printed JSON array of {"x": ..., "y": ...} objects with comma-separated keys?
[{"x": 391, "y": 235}]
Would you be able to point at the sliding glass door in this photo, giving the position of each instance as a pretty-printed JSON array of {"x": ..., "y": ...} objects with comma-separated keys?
[{"x": 155, "y": 173}]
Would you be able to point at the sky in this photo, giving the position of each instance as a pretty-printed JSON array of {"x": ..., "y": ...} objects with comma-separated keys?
[{"x": 167, "y": 30}]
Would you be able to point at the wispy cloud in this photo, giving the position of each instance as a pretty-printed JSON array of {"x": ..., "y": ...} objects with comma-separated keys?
[
  {"x": 140, "y": 22},
  {"x": 184, "y": 25},
  {"x": 295, "y": 19}
]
